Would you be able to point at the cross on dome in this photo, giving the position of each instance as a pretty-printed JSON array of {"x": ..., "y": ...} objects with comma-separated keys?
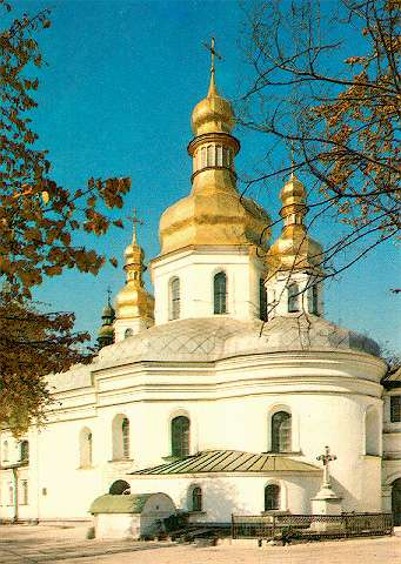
[
  {"x": 213, "y": 54},
  {"x": 136, "y": 221}
]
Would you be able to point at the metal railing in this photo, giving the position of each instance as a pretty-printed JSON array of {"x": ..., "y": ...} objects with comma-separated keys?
[{"x": 311, "y": 526}]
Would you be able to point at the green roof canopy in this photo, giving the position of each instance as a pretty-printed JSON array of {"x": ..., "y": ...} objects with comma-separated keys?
[
  {"x": 119, "y": 503},
  {"x": 231, "y": 461}
]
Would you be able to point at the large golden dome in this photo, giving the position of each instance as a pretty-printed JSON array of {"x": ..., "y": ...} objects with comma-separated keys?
[{"x": 214, "y": 213}]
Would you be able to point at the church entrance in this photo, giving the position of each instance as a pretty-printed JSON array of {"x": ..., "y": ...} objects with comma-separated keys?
[{"x": 396, "y": 501}]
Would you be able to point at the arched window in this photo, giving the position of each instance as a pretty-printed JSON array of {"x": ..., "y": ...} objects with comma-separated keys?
[
  {"x": 220, "y": 293},
  {"x": 210, "y": 155},
  {"x": 219, "y": 155},
  {"x": 5, "y": 451},
  {"x": 180, "y": 436},
  {"x": 175, "y": 298},
  {"x": 85, "y": 448},
  {"x": 24, "y": 492},
  {"x": 196, "y": 498},
  {"x": 372, "y": 432},
  {"x": 293, "y": 298},
  {"x": 24, "y": 451},
  {"x": 313, "y": 299},
  {"x": 262, "y": 300},
  {"x": 125, "y": 437},
  {"x": 128, "y": 333},
  {"x": 281, "y": 432},
  {"x": 119, "y": 487},
  {"x": 272, "y": 497},
  {"x": 203, "y": 156},
  {"x": 121, "y": 437}
]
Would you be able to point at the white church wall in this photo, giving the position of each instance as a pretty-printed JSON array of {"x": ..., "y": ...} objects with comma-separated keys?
[
  {"x": 64, "y": 489},
  {"x": 196, "y": 270},
  {"x": 223, "y": 495}
]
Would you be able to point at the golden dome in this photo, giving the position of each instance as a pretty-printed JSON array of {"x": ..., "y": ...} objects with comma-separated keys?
[
  {"x": 294, "y": 249},
  {"x": 133, "y": 301},
  {"x": 213, "y": 114},
  {"x": 214, "y": 213}
]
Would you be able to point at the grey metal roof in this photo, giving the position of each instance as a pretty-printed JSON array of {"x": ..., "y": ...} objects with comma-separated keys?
[
  {"x": 230, "y": 461},
  {"x": 214, "y": 338}
]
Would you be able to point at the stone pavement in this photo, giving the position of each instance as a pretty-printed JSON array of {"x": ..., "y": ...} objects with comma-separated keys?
[{"x": 36, "y": 544}]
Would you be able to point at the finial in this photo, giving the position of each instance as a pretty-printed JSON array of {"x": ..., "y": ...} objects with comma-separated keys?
[
  {"x": 136, "y": 221},
  {"x": 213, "y": 54},
  {"x": 292, "y": 161},
  {"x": 109, "y": 296}
]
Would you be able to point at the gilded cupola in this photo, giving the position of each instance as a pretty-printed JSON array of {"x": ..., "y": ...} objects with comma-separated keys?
[
  {"x": 214, "y": 213},
  {"x": 294, "y": 250},
  {"x": 134, "y": 305},
  {"x": 213, "y": 114}
]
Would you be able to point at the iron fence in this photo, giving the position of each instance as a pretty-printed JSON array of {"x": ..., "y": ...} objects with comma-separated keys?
[{"x": 311, "y": 526}]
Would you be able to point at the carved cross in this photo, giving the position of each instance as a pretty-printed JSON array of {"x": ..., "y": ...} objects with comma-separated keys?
[
  {"x": 213, "y": 53},
  {"x": 325, "y": 459}
]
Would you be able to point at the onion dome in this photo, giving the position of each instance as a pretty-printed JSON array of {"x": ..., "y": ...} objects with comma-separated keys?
[
  {"x": 214, "y": 214},
  {"x": 294, "y": 250},
  {"x": 213, "y": 114},
  {"x": 133, "y": 301},
  {"x": 106, "y": 331}
]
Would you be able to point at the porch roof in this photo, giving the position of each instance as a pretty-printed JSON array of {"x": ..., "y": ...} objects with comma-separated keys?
[{"x": 231, "y": 461}]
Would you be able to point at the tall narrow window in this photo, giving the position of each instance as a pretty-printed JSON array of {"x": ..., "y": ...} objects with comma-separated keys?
[
  {"x": 272, "y": 497},
  {"x": 121, "y": 437},
  {"x": 210, "y": 155},
  {"x": 395, "y": 409},
  {"x": 196, "y": 501},
  {"x": 24, "y": 492},
  {"x": 85, "y": 448},
  {"x": 219, "y": 155},
  {"x": 24, "y": 451},
  {"x": 293, "y": 298},
  {"x": 281, "y": 432},
  {"x": 125, "y": 437},
  {"x": 175, "y": 305},
  {"x": 180, "y": 436},
  {"x": 5, "y": 451},
  {"x": 220, "y": 293},
  {"x": 313, "y": 295},
  {"x": 262, "y": 300}
]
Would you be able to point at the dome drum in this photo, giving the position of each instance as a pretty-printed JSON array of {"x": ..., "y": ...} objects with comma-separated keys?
[{"x": 216, "y": 137}]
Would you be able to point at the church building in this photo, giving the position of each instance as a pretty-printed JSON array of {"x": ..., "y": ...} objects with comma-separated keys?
[{"x": 226, "y": 390}]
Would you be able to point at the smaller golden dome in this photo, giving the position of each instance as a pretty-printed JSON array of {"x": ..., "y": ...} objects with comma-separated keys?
[
  {"x": 213, "y": 114},
  {"x": 294, "y": 249},
  {"x": 133, "y": 301}
]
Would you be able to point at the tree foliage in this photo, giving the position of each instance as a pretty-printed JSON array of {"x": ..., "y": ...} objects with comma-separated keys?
[
  {"x": 338, "y": 108},
  {"x": 39, "y": 219},
  {"x": 33, "y": 344},
  {"x": 42, "y": 226}
]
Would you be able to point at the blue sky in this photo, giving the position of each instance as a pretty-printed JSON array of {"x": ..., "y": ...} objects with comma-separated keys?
[{"x": 116, "y": 98}]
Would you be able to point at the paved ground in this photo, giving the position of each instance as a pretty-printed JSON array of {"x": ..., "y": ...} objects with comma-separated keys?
[{"x": 30, "y": 544}]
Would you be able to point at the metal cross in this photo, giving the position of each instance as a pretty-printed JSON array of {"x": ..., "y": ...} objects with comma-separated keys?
[
  {"x": 213, "y": 53},
  {"x": 109, "y": 292},
  {"x": 136, "y": 221},
  {"x": 325, "y": 459}
]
